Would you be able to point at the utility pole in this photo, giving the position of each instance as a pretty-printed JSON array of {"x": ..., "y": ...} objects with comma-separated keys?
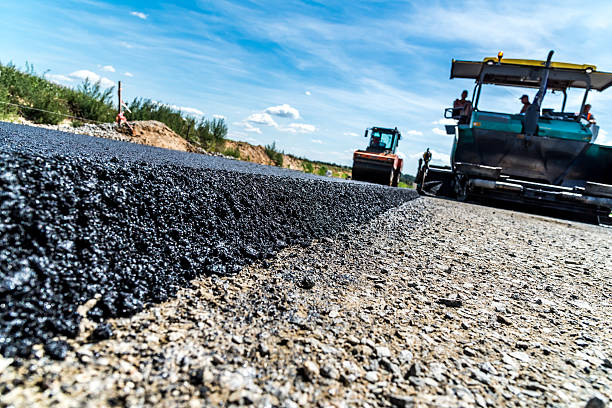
[{"x": 119, "y": 115}]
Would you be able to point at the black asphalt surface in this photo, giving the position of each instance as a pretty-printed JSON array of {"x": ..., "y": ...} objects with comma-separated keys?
[{"x": 81, "y": 216}]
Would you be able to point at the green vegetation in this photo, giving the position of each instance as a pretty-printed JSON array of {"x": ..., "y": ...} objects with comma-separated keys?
[
  {"x": 91, "y": 102},
  {"x": 322, "y": 171},
  {"x": 274, "y": 154},
  {"x": 307, "y": 166},
  {"x": 232, "y": 152},
  {"x": 209, "y": 134},
  {"x": 51, "y": 101}
]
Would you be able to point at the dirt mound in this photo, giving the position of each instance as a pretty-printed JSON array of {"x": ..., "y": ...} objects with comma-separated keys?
[
  {"x": 154, "y": 133},
  {"x": 255, "y": 154}
]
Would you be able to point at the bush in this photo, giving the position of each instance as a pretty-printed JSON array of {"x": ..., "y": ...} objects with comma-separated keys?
[
  {"x": 232, "y": 152},
  {"x": 209, "y": 134},
  {"x": 91, "y": 101},
  {"x": 322, "y": 171},
  {"x": 307, "y": 166},
  {"x": 275, "y": 155}
]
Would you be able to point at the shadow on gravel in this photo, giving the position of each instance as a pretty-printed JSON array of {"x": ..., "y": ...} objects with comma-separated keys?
[
  {"x": 529, "y": 209},
  {"x": 73, "y": 227}
]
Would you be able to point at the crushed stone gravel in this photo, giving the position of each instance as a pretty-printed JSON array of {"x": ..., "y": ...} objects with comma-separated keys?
[
  {"x": 119, "y": 226},
  {"x": 371, "y": 332}
]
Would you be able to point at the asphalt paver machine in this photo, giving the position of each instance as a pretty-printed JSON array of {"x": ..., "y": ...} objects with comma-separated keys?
[
  {"x": 543, "y": 157},
  {"x": 379, "y": 163}
]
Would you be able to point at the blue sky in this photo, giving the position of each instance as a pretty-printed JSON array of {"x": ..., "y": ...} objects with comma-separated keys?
[{"x": 310, "y": 76}]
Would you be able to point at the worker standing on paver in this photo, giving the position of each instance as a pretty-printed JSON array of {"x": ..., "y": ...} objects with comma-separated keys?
[{"x": 525, "y": 100}]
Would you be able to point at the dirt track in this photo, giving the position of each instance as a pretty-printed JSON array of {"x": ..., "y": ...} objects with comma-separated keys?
[{"x": 434, "y": 303}]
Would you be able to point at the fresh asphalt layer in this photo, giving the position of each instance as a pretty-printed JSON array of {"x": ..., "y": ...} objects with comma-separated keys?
[{"x": 84, "y": 218}]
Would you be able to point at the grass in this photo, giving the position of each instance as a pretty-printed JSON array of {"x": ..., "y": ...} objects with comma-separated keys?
[
  {"x": 232, "y": 152},
  {"x": 89, "y": 101},
  {"x": 274, "y": 154}
]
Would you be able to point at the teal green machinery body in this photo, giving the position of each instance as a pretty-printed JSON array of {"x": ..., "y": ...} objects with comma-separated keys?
[
  {"x": 560, "y": 154},
  {"x": 542, "y": 157}
]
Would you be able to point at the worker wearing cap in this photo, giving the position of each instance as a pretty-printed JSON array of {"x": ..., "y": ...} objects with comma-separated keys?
[
  {"x": 586, "y": 113},
  {"x": 526, "y": 104}
]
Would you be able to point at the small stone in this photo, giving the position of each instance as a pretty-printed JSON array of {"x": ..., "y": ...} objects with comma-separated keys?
[
  {"x": 499, "y": 307},
  {"x": 307, "y": 283},
  {"x": 503, "y": 320},
  {"x": 415, "y": 370},
  {"x": 263, "y": 348},
  {"x": 331, "y": 372},
  {"x": 569, "y": 386},
  {"x": 480, "y": 376},
  {"x": 405, "y": 356},
  {"x": 522, "y": 345},
  {"x": 450, "y": 302},
  {"x": 57, "y": 349},
  {"x": 310, "y": 370},
  {"x": 371, "y": 376},
  {"x": 595, "y": 402},
  {"x": 391, "y": 367},
  {"x": 469, "y": 352},
  {"x": 353, "y": 340},
  {"x": 102, "y": 332},
  {"x": 488, "y": 368},
  {"x": 196, "y": 376},
  {"x": 401, "y": 401},
  {"x": 521, "y": 355},
  {"x": 383, "y": 351}
]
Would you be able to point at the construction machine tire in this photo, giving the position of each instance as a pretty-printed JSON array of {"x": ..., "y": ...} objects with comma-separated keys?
[
  {"x": 395, "y": 179},
  {"x": 460, "y": 187}
]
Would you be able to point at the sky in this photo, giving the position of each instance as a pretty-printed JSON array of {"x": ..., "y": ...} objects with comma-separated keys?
[{"x": 308, "y": 75}]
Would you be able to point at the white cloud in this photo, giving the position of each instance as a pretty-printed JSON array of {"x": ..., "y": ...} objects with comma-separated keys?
[
  {"x": 602, "y": 138},
  {"x": 248, "y": 127},
  {"x": 308, "y": 93},
  {"x": 184, "y": 109},
  {"x": 353, "y": 134},
  {"x": 57, "y": 78},
  {"x": 284, "y": 111},
  {"x": 92, "y": 76},
  {"x": 187, "y": 109},
  {"x": 435, "y": 156},
  {"x": 414, "y": 133},
  {"x": 317, "y": 141},
  {"x": 444, "y": 122},
  {"x": 215, "y": 116},
  {"x": 299, "y": 128},
  {"x": 126, "y": 44},
  {"x": 128, "y": 74},
  {"x": 140, "y": 15},
  {"x": 261, "y": 119},
  {"x": 108, "y": 68},
  {"x": 439, "y": 132}
]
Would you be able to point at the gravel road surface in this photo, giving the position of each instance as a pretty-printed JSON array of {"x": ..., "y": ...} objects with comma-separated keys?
[
  {"x": 421, "y": 303},
  {"x": 86, "y": 218}
]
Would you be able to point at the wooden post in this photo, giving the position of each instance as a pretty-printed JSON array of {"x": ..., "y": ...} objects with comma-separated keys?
[{"x": 119, "y": 108}]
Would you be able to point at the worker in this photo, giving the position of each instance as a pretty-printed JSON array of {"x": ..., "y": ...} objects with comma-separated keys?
[
  {"x": 462, "y": 107},
  {"x": 525, "y": 100},
  {"x": 427, "y": 156},
  {"x": 586, "y": 114}
]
